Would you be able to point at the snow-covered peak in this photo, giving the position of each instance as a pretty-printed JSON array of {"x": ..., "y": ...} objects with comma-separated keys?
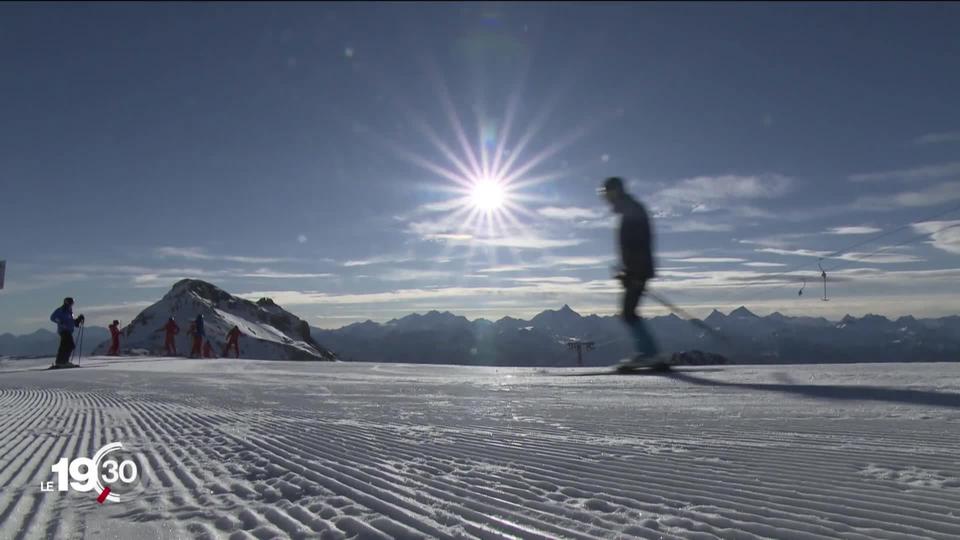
[{"x": 268, "y": 331}]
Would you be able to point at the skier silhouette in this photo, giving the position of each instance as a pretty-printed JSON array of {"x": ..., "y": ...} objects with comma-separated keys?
[
  {"x": 63, "y": 316},
  {"x": 198, "y": 334},
  {"x": 114, "y": 339},
  {"x": 170, "y": 343},
  {"x": 208, "y": 349},
  {"x": 636, "y": 253},
  {"x": 232, "y": 341}
]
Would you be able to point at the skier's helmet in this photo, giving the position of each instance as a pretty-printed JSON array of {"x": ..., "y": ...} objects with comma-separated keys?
[
  {"x": 613, "y": 185},
  {"x": 116, "y": 322},
  {"x": 68, "y": 301}
]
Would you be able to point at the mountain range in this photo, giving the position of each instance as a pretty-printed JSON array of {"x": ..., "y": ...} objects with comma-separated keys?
[
  {"x": 44, "y": 342},
  {"x": 270, "y": 332},
  {"x": 741, "y": 336}
]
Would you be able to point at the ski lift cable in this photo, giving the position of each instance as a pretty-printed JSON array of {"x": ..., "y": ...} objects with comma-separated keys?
[
  {"x": 910, "y": 240},
  {"x": 846, "y": 249},
  {"x": 860, "y": 259}
]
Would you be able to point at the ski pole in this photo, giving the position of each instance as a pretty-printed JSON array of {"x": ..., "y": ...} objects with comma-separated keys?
[
  {"x": 80, "y": 346},
  {"x": 676, "y": 310},
  {"x": 684, "y": 314}
]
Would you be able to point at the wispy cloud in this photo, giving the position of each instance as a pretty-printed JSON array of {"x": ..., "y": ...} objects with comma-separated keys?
[
  {"x": 710, "y": 260},
  {"x": 759, "y": 264},
  {"x": 783, "y": 241},
  {"x": 570, "y": 213},
  {"x": 944, "y": 235},
  {"x": 937, "y": 138},
  {"x": 719, "y": 191},
  {"x": 942, "y": 170},
  {"x": 506, "y": 268},
  {"x": 151, "y": 277},
  {"x": 200, "y": 254},
  {"x": 680, "y": 254},
  {"x": 112, "y": 308},
  {"x": 438, "y": 231},
  {"x": 579, "y": 217},
  {"x": 879, "y": 257},
  {"x": 934, "y": 195},
  {"x": 528, "y": 241},
  {"x": 547, "y": 279},
  {"x": 273, "y": 274},
  {"x": 441, "y": 206},
  {"x": 552, "y": 262},
  {"x": 852, "y": 230},
  {"x": 692, "y": 225},
  {"x": 408, "y": 274},
  {"x": 383, "y": 259},
  {"x": 705, "y": 281},
  {"x": 539, "y": 290}
]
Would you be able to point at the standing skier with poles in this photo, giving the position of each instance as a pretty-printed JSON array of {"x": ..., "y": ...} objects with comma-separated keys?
[
  {"x": 63, "y": 316},
  {"x": 636, "y": 253}
]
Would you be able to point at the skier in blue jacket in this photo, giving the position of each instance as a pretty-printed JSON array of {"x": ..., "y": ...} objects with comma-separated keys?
[{"x": 63, "y": 316}]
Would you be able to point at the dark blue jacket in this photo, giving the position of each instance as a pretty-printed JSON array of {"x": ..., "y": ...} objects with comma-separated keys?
[
  {"x": 200, "y": 331},
  {"x": 63, "y": 316},
  {"x": 636, "y": 242}
]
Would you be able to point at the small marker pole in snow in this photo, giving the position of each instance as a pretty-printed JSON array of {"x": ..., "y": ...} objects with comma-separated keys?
[{"x": 823, "y": 274}]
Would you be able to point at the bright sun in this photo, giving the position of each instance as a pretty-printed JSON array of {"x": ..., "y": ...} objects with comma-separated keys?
[{"x": 487, "y": 195}]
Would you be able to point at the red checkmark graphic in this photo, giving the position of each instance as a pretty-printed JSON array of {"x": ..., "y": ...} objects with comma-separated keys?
[{"x": 103, "y": 496}]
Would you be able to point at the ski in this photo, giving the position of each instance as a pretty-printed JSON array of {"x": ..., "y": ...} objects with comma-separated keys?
[{"x": 63, "y": 366}]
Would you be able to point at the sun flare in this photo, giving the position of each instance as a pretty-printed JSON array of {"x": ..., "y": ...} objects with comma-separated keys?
[{"x": 487, "y": 195}]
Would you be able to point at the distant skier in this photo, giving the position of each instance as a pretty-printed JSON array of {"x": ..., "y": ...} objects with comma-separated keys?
[
  {"x": 198, "y": 335},
  {"x": 170, "y": 341},
  {"x": 63, "y": 316},
  {"x": 192, "y": 335},
  {"x": 208, "y": 349},
  {"x": 636, "y": 252},
  {"x": 233, "y": 338},
  {"x": 114, "y": 339}
]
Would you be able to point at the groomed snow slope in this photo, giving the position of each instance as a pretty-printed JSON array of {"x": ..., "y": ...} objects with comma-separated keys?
[{"x": 254, "y": 449}]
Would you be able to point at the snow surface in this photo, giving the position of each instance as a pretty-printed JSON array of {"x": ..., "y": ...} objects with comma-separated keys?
[{"x": 274, "y": 449}]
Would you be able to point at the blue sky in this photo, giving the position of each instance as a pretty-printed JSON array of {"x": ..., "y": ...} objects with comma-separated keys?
[{"x": 322, "y": 154}]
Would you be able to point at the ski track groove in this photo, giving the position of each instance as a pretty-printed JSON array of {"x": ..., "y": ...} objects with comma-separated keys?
[
  {"x": 503, "y": 477},
  {"x": 384, "y": 482},
  {"x": 464, "y": 487},
  {"x": 648, "y": 474},
  {"x": 423, "y": 482},
  {"x": 46, "y": 406},
  {"x": 827, "y": 503}
]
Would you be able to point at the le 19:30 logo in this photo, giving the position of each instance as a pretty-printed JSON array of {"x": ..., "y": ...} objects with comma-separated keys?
[{"x": 94, "y": 474}]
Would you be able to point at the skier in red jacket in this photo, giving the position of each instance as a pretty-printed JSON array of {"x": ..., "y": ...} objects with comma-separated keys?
[
  {"x": 172, "y": 330},
  {"x": 115, "y": 339},
  {"x": 232, "y": 341}
]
